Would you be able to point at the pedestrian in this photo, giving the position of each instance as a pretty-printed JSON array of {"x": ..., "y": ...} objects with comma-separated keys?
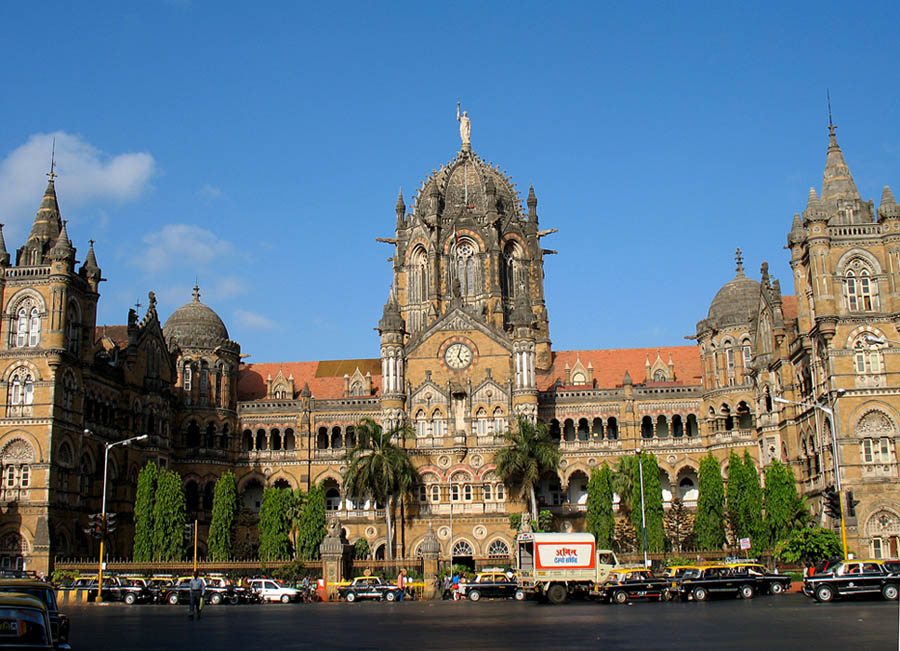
[
  {"x": 445, "y": 586},
  {"x": 198, "y": 591},
  {"x": 454, "y": 585},
  {"x": 401, "y": 584}
]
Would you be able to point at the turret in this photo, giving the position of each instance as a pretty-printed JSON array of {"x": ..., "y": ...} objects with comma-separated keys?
[
  {"x": 888, "y": 209},
  {"x": 532, "y": 204},
  {"x": 4, "y": 254},
  {"x": 400, "y": 209}
]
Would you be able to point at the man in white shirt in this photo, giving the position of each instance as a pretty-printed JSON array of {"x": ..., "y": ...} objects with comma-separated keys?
[{"x": 198, "y": 591}]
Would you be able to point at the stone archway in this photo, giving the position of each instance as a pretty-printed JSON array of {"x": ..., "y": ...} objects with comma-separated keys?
[{"x": 882, "y": 532}]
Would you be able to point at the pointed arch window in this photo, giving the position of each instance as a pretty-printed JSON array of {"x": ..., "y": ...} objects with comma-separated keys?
[
  {"x": 860, "y": 289},
  {"x": 418, "y": 276},
  {"x": 481, "y": 422},
  {"x": 437, "y": 424},
  {"x": 466, "y": 269},
  {"x": 26, "y": 331},
  {"x": 21, "y": 392},
  {"x": 866, "y": 357},
  {"x": 421, "y": 425},
  {"x": 499, "y": 421},
  {"x": 73, "y": 329}
]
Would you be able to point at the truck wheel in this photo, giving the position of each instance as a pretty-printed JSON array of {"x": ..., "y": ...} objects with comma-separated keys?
[
  {"x": 747, "y": 591},
  {"x": 700, "y": 594},
  {"x": 390, "y": 596},
  {"x": 889, "y": 592},
  {"x": 130, "y": 598},
  {"x": 556, "y": 593},
  {"x": 824, "y": 593},
  {"x": 285, "y": 598},
  {"x": 620, "y": 597},
  {"x": 474, "y": 595},
  {"x": 519, "y": 595},
  {"x": 215, "y": 599},
  {"x": 234, "y": 600},
  {"x": 351, "y": 597},
  {"x": 776, "y": 588}
]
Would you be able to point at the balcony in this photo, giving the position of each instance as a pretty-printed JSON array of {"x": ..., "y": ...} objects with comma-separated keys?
[
  {"x": 345, "y": 515},
  {"x": 272, "y": 455},
  {"x": 461, "y": 508},
  {"x": 590, "y": 444},
  {"x": 733, "y": 436}
]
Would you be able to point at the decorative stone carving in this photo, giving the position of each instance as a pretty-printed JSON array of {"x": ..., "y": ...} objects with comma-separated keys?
[
  {"x": 443, "y": 533},
  {"x": 476, "y": 461},
  {"x": 430, "y": 545},
  {"x": 13, "y": 542},
  {"x": 443, "y": 461},
  {"x": 883, "y": 523},
  {"x": 875, "y": 423},
  {"x": 18, "y": 451},
  {"x": 333, "y": 542},
  {"x": 479, "y": 532}
]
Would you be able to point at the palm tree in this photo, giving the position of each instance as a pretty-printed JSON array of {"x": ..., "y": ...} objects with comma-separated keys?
[
  {"x": 529, "y": 453},
  {"x": 380, "y": 469},
  {"x": 623, "y": 483}
]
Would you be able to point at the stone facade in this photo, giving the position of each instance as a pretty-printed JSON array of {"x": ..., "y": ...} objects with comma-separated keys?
[{"x": 464, "y": 350}]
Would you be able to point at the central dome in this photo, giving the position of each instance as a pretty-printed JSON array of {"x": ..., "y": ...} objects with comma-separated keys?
[{"x": 195, "y": 325}]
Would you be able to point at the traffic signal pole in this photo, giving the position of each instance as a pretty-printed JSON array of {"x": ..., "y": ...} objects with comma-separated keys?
[
  {"x": 843, "y": 525},
  {"x": 195, "y": 545}
]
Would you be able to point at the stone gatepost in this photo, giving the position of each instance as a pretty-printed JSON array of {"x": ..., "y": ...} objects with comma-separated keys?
[
  {"x": 332, "y": 552},
  {"x": 431, "y": 550}
]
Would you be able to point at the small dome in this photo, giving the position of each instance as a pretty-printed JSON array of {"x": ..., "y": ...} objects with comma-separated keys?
[
  {"x": 195, "y": 325},
  {"x": 735, "y": 303}
]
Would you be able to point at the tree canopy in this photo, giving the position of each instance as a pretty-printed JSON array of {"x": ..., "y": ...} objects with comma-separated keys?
[
  {"x": 709, "y": 523},
  {"x": 600, "y": 519},
  {"x": 224, "y": 512},
  {"x": 528, "y": 454},
  {"x": 168, "y": 517},
  {"x": 275, "y": 524},
  {"x": 143, "y": 513},
  {"x": 311, "y": 524},
  {"x": 784, "y": 510},
  {"x": 379, "y": 468}
]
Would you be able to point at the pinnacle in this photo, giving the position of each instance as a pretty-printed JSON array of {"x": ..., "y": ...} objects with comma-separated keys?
[
  {"x": 90, "y": 260},
  {"x": 887, "y": 197}
]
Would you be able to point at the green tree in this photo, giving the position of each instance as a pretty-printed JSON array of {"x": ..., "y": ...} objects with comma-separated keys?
[
  {"x": 653, "y": 507},
  {"x": 599, "y": 518},
  {"x": 784, "y": 508},
  {"x": 733, "y": 489},
  {"x": 224, "y": 513},
  {"x": 274, "y": 524},
  {"x": 311, "y": 525},
  {"x": 143, "y": 513},
  {"x": 809, "y": 545},
  {"x": 528, "y": 454},
  {"x": 744, "y": 500},
  {"x": 295, "y": 511},
  {"x": 168, "y": 517},
  {"x": 709, "y": 523},
  {"x": 361, "y": 549},
  {"x": 623, "y": 483},
  {"x": 379, "y": 468}
]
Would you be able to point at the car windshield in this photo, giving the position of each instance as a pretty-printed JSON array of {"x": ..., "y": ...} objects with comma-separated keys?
[
  {"x": 20, "y": 626},
  {"x": 42, "y": 594}
]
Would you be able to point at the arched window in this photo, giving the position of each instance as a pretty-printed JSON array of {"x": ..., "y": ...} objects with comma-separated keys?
[
  {"x": 861, "y": 287},
  {"x": 188, "y": 376},
  {"x": 21, "y": 392},
  {"x": 68, "y": 391},
  {"x": 26, "y": 324},
  {"x": 34, "y": 327},
  {"x": 660, "y": 376},
  {"x": 512, "y": 273},
  {"x": 73, "y": 329},
  {"x": 465, "y": 269},
  {"x": 866, "y": 356},
  {"x": 747, "y": 352},
  {"x": 332, "y": 499},
  {"x": 481, "y": 422},
  {"x": 499, "y": 421},
  {"x": 462, "y": 548},
  {"x": 498, "y": 549},
  {"x": 418, "y": 276},
  {"x": 204, "y": 383},
  {"x": 437, "y": 424},
  {"x": 421, "y": 425}
]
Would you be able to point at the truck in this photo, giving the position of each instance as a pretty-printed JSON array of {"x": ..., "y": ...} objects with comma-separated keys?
[{"x": 556, "y": 566}]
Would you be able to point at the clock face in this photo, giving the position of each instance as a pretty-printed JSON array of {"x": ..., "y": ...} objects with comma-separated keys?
[{"x": 458, "y": 356}]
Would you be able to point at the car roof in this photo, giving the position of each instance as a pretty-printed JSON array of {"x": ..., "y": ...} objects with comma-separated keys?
[
  {"x": 20, "y": 600},
  {"x": 24, "y": 583}
]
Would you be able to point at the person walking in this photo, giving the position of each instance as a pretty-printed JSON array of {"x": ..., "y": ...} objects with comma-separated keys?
[
  {"x": 401, "y": 584},
  {"x": 445, "y": 591},
  {"x": 455, "y": 586},
  {"x": 198, "y": 591}
]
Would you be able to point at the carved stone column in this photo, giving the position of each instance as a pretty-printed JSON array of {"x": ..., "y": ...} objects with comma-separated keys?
[
  {"x": 332, "y": 553},
  {"x": 431, "y": 550}
]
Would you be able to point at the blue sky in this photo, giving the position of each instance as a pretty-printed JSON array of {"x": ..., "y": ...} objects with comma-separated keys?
[{"x": 259, "y": 147}]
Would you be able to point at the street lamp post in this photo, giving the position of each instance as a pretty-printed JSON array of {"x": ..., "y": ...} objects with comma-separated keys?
[
  {"x": 643, "y": 515},
  {"x": 107, "y": 447},
  {"x": 834, "y": 457}
]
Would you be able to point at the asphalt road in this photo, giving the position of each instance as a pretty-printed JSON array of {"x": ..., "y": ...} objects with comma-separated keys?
[{"x": 787, "y": 622}]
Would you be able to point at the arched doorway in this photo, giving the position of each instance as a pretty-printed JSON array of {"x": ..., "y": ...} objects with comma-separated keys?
[{"x": 462, "y": 554}]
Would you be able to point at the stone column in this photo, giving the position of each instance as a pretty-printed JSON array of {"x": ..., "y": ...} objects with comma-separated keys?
[
  {"x": 431, "y": 549},
  {"x": 332, "y": 553}
]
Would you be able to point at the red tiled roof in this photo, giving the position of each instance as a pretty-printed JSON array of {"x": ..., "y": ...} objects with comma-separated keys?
[
  {"x": 118, "y": 333},
  {"x": 789, "y": 307},
  {"x": 325, "y": 379},
  {"x": 610, "y": 365}
]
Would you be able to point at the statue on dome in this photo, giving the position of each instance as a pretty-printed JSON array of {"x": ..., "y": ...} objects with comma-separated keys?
[{"x": 465, "y": 128}]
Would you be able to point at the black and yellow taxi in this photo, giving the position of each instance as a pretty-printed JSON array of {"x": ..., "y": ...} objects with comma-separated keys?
[
  {"x": 766, "y": 582},
  {"x": 853, "y": 578},
  {"x": 714, "y": 581},
  {"x": 25, "y": 623},
  {"x": 626, "y": 583},
  {"x": 369, "y": 587},
  {"x": 495, "y": 584},
  {"x": 43, "y": 592}
]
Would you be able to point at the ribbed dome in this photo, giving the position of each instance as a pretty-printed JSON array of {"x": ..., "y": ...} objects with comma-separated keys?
[
  {"x": 735, "y": 302},
  {"x": 195, "y": 325}
]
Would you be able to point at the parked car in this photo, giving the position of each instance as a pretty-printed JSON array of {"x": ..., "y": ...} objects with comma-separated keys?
[
  {"x": 272, "y": 590},
  {"x": 700, "y": 585},
  {"x": 116, "y": 588},
  {"x": 766, "y": 582},
  {"x": 624, "y": 584},
  {"x": 368, "y": 587},
  {"x": 25, "y": 623},
  {"x": 218, "y": 590},
  {"x": 855, "y": 577},
  {"x": 43, "y": 592},
  {"x": 492, "y": 585}
]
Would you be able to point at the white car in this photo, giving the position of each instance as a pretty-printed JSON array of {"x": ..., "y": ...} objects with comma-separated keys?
[{"x": 270, "y": 590}]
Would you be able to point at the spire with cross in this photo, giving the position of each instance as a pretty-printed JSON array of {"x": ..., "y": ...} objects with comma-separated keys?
[
  {"x": 52, "y": 175},
  {"x": 739, "y": 258}
]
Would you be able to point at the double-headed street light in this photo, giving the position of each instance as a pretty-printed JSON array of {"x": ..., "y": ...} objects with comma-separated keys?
[
  {"x": 834, "y": 455},
  {"x": 107, "y": 447}
]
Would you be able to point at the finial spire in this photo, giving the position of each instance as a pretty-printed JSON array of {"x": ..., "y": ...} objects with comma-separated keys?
[
  {"x": 52, "y": 175},
  {"x": 739, "y": 258},
  {"x": 831, "y": 126},
  {"x": 196, "y": 293}
]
